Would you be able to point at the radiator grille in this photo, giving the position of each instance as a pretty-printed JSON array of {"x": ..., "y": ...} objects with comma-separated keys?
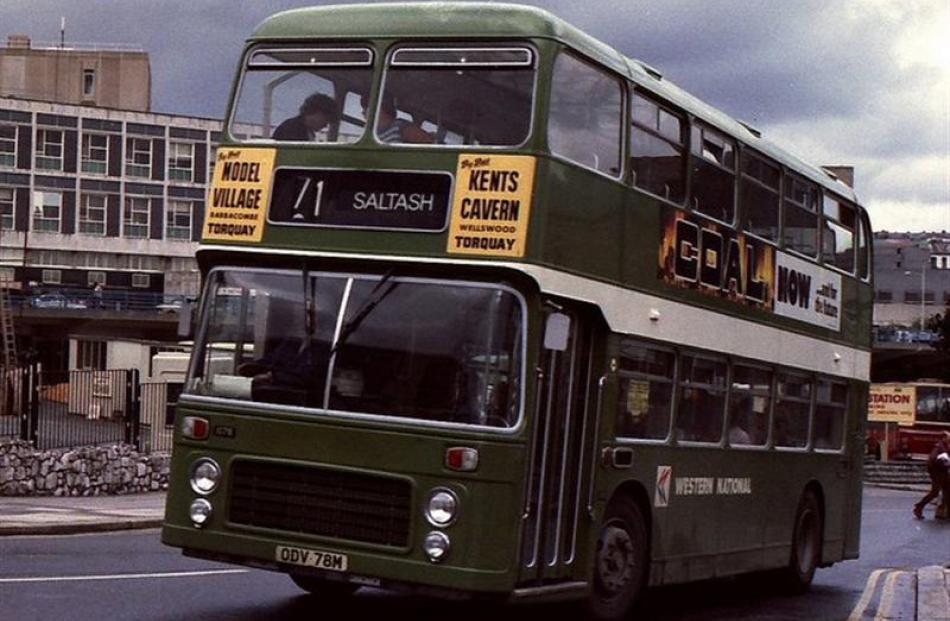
[{"x": 317, "y": 501}]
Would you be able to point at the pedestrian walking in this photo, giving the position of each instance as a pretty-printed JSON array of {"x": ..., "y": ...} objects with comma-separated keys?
[
  {"x": 938, "y": 467},
  {"x": 97, "y": 294}
]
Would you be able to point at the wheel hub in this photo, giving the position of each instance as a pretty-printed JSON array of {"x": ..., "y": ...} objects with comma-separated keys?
[{"x": 615, "y": 558}]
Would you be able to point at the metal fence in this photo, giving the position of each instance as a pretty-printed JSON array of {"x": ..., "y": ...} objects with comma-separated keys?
[{"x": 87, "y": 408}]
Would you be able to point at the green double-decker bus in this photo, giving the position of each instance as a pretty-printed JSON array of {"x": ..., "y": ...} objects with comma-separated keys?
[{"x": 490, "y": 309}]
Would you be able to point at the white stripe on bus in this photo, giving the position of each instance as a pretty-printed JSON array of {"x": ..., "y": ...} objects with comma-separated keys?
[
  {"x": 169, "y": 574},
  {"x": 649, "y": 316}
]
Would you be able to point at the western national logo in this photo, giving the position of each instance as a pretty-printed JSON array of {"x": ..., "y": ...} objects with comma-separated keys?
[
  {"x": 664, "y": 474},
  {"x": 492, "y": 205},
  {"x": 239, "y": 195}
]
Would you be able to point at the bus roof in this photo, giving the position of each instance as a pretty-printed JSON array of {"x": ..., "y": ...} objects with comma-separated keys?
[{"x": 490, "y": 20}]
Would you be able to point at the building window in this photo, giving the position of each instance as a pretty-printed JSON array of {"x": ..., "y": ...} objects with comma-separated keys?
[
  {"x": 884, "y": 296},
  {"x": 135, "y": 217},
  {"x": 212, "y": 157},
  {"x": 7, "y": 145},
  {"x": 138, "y": 157},
  {"x": 141, "y": 281},
  {"x": 181, "y": 161},
  {"x": 49, "y": 149},
  {"x": 7, "y": 207},
  {"x": 657, "y": 150},
  {"x": 52, "y": 277},
  {"x": 91, "y": 355},
  {"x": 92, "y": 214},
  {"x": 912, "y": 297},
  {"x": 95, "y": 153},
  {"x": 95, "y": 278},
  {"x": 178, "y": 220},
  {"x": 47, "y": 211},
  {"x": 88, "y": 82}
]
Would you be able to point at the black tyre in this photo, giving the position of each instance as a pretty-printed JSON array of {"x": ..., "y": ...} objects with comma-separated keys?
[
  {"x": 620, "y": 561},
  {"x": 325, "y": 588},
  {"x": 806, "y": 545}
]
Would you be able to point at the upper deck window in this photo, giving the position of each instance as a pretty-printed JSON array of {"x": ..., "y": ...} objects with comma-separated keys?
[
  {"x": 301, "y": 94},
  {"x": 837, "y": 235},
  {"x": 713, "y": 183},
  {"x": 585, "y": 117},
  {"x": 759, "y": 194},
  {"x": 457, "y": 96},
  {"x": 800, "y": 222},
  {"x": 657, "y": 150}
]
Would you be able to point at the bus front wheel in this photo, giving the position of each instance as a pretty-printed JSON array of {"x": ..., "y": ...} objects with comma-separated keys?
[
  {"x": 806, "y": 544},
  {"x": 620, "y": 561},
  {"x": 324, "y": 588}
]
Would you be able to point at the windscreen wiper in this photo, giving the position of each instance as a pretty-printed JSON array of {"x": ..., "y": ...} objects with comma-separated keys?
[{"x": 382, "y": 289}]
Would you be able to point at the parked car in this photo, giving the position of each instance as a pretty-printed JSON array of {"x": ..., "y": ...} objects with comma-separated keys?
[{"x": 55, "y": 300}]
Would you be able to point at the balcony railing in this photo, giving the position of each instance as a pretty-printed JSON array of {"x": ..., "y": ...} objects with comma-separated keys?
[{"x": 77, "y": 300}]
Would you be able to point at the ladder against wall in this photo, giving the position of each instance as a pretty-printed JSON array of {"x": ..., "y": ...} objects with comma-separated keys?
[{"x": 8, "y": 355}]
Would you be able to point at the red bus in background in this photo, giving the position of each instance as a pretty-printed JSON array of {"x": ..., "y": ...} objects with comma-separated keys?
[{"x": 906, "y": 419}]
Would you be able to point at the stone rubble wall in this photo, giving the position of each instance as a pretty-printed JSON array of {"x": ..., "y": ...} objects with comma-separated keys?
[{"x": 87, "y": 471}]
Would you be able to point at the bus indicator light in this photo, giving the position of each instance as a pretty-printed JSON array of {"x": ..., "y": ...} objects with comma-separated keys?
[
  {"x": 195, "y": 428},
  {"x": 461, "y": 459}
]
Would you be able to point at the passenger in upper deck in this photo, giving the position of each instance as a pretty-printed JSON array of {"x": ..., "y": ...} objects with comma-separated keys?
[
  {"x": 316, "y": 112},
  {"x": 390, "y": 128}
]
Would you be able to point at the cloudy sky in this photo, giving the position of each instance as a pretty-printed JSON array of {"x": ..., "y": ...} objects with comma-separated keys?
[{"x": 854, "y": 82}]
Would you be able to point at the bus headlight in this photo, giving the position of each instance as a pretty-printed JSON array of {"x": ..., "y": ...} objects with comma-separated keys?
[
  {"x": 205, "y": 475},
  {"x": 436, "y": 546},
  {"x": 199, "y": 512},
  {"x": 442, "y": 507}
]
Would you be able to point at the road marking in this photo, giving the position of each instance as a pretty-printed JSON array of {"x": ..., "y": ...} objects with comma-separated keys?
[
  {"x": 869, "y": 589},
  {"x": 170, "y": 574},
  {"x": 887, "y": 596}
]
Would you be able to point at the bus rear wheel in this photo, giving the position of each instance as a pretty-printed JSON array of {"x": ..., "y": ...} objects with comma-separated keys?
[
  {"x": 806, "y": 545},
  {"x": 324, "y": 588},
  {"x": 620, "y": 561}
]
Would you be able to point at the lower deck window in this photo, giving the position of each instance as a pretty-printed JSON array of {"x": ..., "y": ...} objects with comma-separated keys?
[
  {"x": 702, "y": 399},
  {"x": 646, "y": 392},
  {"x": 792, "y": 411},
  {"x": 436, "y": 351}
]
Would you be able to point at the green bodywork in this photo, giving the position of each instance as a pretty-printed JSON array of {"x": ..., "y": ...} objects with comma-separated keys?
[{"x": 582, "y": 223}]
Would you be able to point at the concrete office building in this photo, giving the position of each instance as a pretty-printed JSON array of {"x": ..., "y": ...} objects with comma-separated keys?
[
  {"x": 911, "y": 277},
  {"x": 92, "y": 194},
  {"x": 113, "y": 76}
]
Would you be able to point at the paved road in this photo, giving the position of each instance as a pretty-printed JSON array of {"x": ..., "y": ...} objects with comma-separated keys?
[{"x": 132, "y": 576}]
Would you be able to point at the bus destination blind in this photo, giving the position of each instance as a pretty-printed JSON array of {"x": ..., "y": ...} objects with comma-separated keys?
[{"x": 361, "y": 199}]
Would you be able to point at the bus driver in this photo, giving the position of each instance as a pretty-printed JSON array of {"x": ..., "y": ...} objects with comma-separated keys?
[{"x": 316, "y": 112}]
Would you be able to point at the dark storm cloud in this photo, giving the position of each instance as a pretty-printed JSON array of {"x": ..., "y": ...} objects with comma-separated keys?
[{"x": 822, "y": 78}]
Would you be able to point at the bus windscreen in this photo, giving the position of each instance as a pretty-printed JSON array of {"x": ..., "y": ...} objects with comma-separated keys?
[{"x": 395, "y": 347}]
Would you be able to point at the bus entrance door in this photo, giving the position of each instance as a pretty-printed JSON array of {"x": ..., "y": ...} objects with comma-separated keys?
[{"x": 562, "y": 436}]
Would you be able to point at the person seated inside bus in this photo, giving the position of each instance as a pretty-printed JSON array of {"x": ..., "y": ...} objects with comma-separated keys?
[
  {"x": 390, "y": 128},
  {"x": 316, "y": 112}
]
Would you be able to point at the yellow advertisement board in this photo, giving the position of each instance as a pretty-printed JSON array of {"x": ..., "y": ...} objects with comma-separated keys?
[
  {"x": 492, "y": 205},
  {"x": 892, "y": 404},
  {"x": 239, "y": 195}
]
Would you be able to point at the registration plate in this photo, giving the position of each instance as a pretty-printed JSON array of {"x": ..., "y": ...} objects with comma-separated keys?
[{"x": 320, "y": 559}]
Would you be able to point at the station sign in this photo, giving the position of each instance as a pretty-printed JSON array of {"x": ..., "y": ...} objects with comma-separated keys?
[
  {"x": 889, "y": 403},
  {"x": 416, "y": 201}
]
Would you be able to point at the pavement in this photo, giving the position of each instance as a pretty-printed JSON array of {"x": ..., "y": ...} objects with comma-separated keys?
[
  {"x": 67, "y": 515},
  {"x": 922, "y": 594}
]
